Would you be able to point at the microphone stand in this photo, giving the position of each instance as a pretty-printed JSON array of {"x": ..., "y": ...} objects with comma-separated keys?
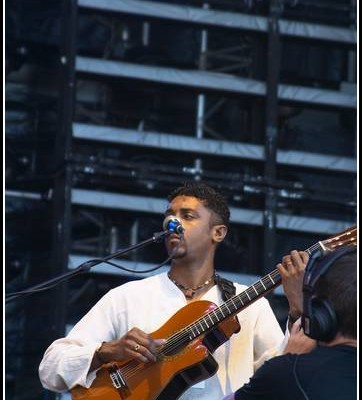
[{"x": 85, "y": 267}]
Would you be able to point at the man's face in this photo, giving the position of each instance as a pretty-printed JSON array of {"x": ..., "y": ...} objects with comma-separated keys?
[{"x": 196, "y": 220}]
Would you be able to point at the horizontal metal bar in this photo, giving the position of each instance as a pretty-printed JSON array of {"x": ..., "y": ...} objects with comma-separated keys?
[
  {"x": 209, "y": 146},
  {"x": 23, "y": 195},
  {"x": 158, "y": 206},
  {"x": 226, "y": 19},
  {"x": 207, "y": 80},
  {"x": 238, "y": 215}
]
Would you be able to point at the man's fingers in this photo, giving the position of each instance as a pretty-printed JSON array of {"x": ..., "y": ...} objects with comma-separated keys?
[
  {"x": 146, "y": 354},
  {"x": 305, "y": 257},
  {"x": 282, "y": 269}
]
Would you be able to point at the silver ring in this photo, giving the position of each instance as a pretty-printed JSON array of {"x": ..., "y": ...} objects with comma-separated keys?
[{"x": 136, "y": 347}]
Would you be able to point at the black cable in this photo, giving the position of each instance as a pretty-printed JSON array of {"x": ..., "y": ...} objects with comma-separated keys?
[
  {"x": 84, "y": 267},
  {"x": 297, "y": 379}
]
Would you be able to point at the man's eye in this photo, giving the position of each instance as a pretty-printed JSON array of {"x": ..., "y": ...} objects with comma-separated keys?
[{"x": 188, "y": 216}]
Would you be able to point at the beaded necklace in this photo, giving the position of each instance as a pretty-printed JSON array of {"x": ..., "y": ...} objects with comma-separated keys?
[{"x": 191, "y": 291}]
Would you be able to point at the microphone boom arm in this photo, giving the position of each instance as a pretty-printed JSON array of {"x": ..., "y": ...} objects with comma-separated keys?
[{"x": 85, "y": 267}]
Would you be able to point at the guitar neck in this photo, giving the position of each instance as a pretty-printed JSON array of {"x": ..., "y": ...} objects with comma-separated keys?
[{"x": 238, "y": 302}]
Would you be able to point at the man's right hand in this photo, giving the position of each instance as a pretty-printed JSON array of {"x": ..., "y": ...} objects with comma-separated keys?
[{"x": 134, "y": 344}]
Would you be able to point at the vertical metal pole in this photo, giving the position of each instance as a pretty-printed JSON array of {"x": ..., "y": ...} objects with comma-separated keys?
[
  {"x": 63, "y": 181},
  {"x": 146, "y": 34},
  {"x": 352, "y": 59},
  {"x": 134, "y": 236},
  {"x": 271, "y": 134},
  {"x": 352, "y": 75},
  {"x": 201, "y": 100}
]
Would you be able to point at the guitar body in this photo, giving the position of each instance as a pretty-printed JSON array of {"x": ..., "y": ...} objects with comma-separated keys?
[{"x": 172, "y": 374}]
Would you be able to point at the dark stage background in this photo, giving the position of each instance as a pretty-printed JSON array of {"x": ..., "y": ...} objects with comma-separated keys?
[{"x": 110, "y": 105}]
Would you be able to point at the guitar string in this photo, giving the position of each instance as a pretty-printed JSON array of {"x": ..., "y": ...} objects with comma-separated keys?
[
  {"x": 219, "y": 314},
  {"x": 274, "y": 275},
  {"x": 225, "y": 307},
  {"x": 177, "y": 339},
  {"x": 133, "y": 366},
  {"x": 260, "y": 284}
]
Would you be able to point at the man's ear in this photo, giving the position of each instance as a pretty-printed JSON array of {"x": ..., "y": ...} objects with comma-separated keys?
[{"x": 219, "y": 232}]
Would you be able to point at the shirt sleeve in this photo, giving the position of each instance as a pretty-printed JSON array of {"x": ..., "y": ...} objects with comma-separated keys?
[{"x": 66, "y": 362}]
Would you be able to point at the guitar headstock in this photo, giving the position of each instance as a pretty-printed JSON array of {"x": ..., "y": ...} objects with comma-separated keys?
[{"x": 345, "y": 238}]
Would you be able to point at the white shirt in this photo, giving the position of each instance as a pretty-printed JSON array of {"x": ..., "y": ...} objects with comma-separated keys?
[{"x": 148, "y": 304}]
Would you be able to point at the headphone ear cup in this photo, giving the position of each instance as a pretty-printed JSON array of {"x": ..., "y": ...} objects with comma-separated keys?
[{"x": 323, "y": 324}]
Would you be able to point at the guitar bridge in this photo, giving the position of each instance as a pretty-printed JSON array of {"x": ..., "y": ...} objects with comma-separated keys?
[{"x": 117, "y": 379}]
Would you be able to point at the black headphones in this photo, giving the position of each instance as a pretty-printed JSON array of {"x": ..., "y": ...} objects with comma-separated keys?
[{"x": 319, "y": 319}]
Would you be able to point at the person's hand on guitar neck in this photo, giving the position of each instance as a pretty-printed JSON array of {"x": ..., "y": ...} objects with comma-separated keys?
[
  {"x": 134, "y": 344},
  {"x": 291, "y": 270}
]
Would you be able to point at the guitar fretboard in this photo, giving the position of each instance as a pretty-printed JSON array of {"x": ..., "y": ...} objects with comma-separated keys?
[
  {"x": 240, "y": 301},
  {"x": 234, "y": 304},
  {"x": 231, "y": 307}
]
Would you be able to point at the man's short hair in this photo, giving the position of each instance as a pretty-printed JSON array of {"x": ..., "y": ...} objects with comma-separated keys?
[{"x": 209, "y": 197}]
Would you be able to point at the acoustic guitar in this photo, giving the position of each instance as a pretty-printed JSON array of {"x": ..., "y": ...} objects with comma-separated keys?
[{"x": 192, "y": 334}]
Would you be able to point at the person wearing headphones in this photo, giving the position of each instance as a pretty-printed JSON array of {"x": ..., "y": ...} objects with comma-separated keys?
[{"x": 320, "y": 360}]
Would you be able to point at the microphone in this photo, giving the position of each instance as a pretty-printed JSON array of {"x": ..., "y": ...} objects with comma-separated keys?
[{"x": 173, "y": 224}]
